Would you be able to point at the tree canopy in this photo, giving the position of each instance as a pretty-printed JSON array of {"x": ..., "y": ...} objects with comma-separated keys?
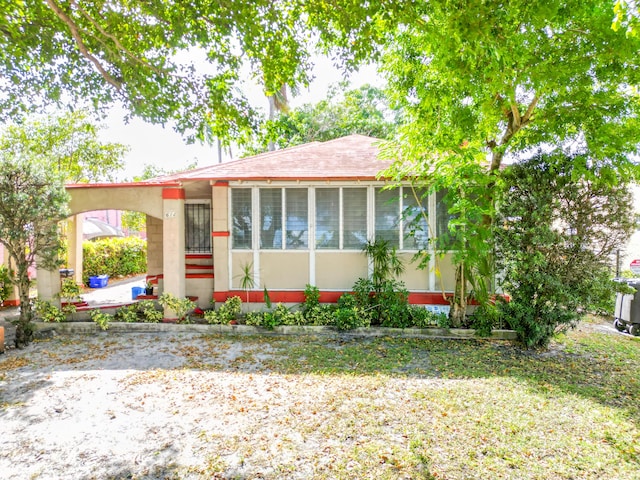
[
  {"x": 362, "y": 110},
  {"x": 481, "y": 81},
  {"x": 67, "y": 143},
  {"x": 173, "y": 59}
]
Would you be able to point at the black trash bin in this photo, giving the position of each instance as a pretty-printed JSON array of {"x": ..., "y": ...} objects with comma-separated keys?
[
  {"x": 66, "y": 272},
  {"x": 627, "y": 312}
]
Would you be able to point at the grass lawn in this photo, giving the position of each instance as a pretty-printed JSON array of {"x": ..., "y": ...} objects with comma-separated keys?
[{"x": 311, "y": 407}]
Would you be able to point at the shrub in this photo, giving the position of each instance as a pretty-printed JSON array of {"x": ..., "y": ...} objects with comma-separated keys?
[
  {"x": 180, "y": 306},
  {"x": 5, "y": 283},
  {"x": 127, "y": 313},
  {"x": 48, "y": 312},
  {"x": 320, "y": 315},
  {"x": 486, "y": 318},
  {"x": 350, "y": 314},
  {"x": 148, "y": 311},
  {"x": 102, "y": 319},
  {"x": 423, "y": 318},
  {"x": 228, "y": 311},
  {"x": 558, "y": 223},
  {"x": 392, "y": 303},
  {"x": 116, "y": 257}
]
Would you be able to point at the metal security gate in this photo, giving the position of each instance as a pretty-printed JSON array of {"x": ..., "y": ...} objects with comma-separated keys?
[{"x": 197, "y": 227}]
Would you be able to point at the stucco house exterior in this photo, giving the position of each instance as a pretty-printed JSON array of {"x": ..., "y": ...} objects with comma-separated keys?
[{"x": 288, "y": 218}]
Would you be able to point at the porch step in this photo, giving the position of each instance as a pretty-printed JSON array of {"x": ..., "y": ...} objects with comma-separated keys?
[{"x": 196, "y": 266}]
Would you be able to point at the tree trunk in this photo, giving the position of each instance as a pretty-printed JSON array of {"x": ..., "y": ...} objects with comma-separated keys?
[
  {"x": 458, "y": 312},
  {"x": 24, "y": 328}
]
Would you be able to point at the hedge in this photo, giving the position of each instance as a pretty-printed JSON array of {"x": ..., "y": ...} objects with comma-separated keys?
[{"x": 116, "y": 257}]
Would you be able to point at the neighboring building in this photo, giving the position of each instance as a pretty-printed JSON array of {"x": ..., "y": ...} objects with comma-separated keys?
[{"x": 290, "y": 218}]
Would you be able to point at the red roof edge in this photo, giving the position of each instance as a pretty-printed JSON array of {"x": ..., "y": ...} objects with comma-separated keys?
[{"x": 123, "y": 185}]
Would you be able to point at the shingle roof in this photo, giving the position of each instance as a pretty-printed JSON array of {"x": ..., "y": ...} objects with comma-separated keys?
[{"x": 348, "y": 158}]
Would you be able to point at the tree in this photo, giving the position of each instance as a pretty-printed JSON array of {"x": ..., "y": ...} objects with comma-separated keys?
[
  {"x": 38, "y": 156},
  {"x": 174, "y": 60},
  {"x": 558, "y": 226},
  {"x": 67, "y": 143},
  {"x": 481, "y": 81},
  {"x": 362, "y": 110},
  {"x": 32, "y": 202},
  {"x": 627, "y": 16}
]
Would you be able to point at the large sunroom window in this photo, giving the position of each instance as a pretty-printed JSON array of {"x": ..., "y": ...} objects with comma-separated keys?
[
  {"x": 341, "y": 207},
  {"x": 342, "y": 217},
  {"x": 295, "y": 223}
]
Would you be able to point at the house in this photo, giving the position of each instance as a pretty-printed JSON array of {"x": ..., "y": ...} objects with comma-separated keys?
[{"x": 282, "y": 219}]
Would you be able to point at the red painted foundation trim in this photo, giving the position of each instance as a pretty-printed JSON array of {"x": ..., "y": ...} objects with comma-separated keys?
[
  {"x": 297, "y": 296},
  {"x": 220, "y": 234},
  {"x": 11, "y": 303},
  {"x": 173, "y": 194},
  {"x": 199, "y": 275},
  {"x": 198, "y": 256}
]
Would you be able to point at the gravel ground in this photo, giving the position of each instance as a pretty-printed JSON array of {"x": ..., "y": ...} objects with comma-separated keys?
[
  {"x": 182, "y": 406},
  {"x": 167, "y": 406}
]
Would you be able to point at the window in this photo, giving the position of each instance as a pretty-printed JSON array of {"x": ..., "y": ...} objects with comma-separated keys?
[
  {"x": 270, "y": 218},
  {"x": 415, "y": 218},
  {"x": 354, "y": 214},
  {"x": 297, "y": 220},
  {"x": 242, "y": 228},
  {"x": 197, "y": 228},
  {"x": 327, "y": 218},
  {"x": 387, "y": 213},
  {"x": 342, "y": 217},
  {"x": 442, "y": 220}
]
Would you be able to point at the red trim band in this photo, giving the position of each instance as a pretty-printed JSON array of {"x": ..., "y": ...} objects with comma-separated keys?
[
  {"x": 220, "y": 183},
  {"x": 284, "y": 296},
  {"x": 220, "y": 234},
  {"x": 173, "y": 194}
]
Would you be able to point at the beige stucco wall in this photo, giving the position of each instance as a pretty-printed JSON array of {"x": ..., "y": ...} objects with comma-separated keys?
[
  {"x": 413, "y": 278},
  {"x": 154, "y": 245},
  {"x": 447, "y": 275},
  {"x": 201, "y": 288},
  {"x": 339, "y": 270},
  {"x": 238, "y": 261},
  {"x": 284, "y": 270},
  {"x": 173, "y": 247},
  {"x": 146, "y": 199},
  {"x": 220, "y": 223}
]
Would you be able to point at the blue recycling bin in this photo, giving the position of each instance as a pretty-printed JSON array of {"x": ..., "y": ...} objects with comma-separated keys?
[{"x": 135, "y": 291}]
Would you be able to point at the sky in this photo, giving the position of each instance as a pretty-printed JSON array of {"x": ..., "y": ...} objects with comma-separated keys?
[{"x": 164, "y": 147}]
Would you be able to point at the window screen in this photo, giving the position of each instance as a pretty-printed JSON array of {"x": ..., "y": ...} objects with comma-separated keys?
[
  {"x": 354, "y": 214},
  {"x": 414, "y": 218},
  {"x": 270, "y": 218},
  {"x": 387, "y": 213},
  {"x": 242, "y": 228},
  {"x": 327, "y": 218},
  {"x": 297, "y": 227}
]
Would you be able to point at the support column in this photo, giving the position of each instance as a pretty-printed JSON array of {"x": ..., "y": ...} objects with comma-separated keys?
[
  {"x": 48, "y": 285},
  {"x": 173, "y": 263},
  {"x": 74, "y": 242},
  {"x": 221, "y": 235}
]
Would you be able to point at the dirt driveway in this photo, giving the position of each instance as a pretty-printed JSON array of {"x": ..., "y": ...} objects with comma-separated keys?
[
  {"x": 169, "y": 406},
  {"x": 191, "y": 406}
]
